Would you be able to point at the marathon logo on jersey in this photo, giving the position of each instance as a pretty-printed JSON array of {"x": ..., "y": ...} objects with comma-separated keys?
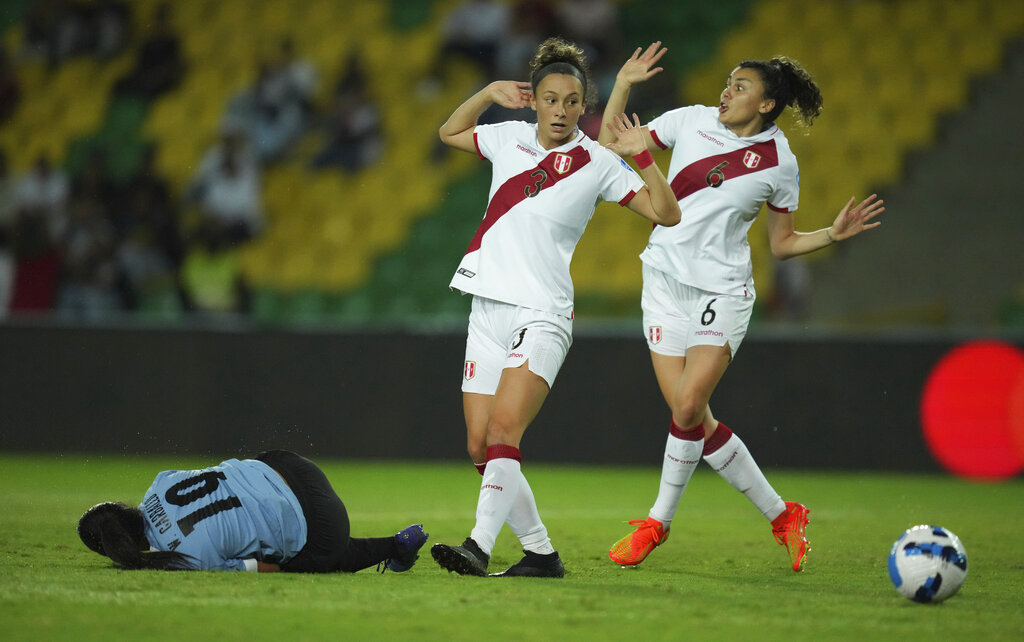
[
  {"x": 469, "y": 371},
  {"x": 562, "y": 163},
  {"x": 709, "y": 333},
  {"x": 469, "y": 274},
  {"x": 711, "y": 138},
  {"x": 654, "y": 334},
  {"x": 751, "y": 159}
]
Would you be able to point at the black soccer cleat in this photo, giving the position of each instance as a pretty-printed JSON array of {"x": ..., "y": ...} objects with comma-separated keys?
[
  {"x": 535, "y": 565},
  {"x": 467, "y": 559}
]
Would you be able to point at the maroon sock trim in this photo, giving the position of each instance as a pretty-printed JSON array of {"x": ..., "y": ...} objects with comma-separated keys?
[
  {"x": 722, "y": 434},
  {"x": 502, "y": 451},
  {"x": 480, "y": 467},
  {"x": 690, "y": 434}
]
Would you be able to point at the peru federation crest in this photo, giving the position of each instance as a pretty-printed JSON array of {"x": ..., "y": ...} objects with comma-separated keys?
[
  {"x": 469, "y": 371},
  {"x": 751, "y": 159},
  {"x": 654, "y": 334},
  {"x": 562, "y": 163}
]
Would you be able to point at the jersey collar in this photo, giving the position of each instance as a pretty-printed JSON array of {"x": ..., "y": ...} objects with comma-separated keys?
[{"x": 576, "y": 140}]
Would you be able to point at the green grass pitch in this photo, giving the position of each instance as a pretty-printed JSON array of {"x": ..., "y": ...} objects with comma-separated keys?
[{"x": 719, "y": 577}]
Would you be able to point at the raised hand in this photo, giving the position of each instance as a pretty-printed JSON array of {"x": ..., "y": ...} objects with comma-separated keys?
[
  {"x": 510, "y": 94},
  {"x": 851, "y": 220},
  {"x": 629, "y": 137},
  {"x": 638, "y": 67}
]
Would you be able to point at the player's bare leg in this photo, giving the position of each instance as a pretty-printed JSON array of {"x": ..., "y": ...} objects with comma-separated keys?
[
  {"x": 687, "y": 382},
  {"x": 686, "y": 387},
  {"x": 726, "y": 453},
  {"x": 476, "y": 408},
  {"x": 518, "y": 399}
]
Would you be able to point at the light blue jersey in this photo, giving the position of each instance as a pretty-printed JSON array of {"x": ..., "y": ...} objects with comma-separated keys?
[{"x": 225, "y": 515}]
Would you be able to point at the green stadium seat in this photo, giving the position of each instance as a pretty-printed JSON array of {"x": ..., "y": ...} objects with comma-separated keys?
[
  {"x": 266, "y": 305},
  {"x": 162, "y": 304},
  {"x": 306, "y": 306}
]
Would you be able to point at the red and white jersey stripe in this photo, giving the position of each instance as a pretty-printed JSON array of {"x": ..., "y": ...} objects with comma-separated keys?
[
  {"x": 539, "y": 204},
  {"x": 721, "y": 181}
]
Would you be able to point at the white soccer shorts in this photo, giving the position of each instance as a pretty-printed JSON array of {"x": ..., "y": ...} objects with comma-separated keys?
[
  {"x": 677, "y": 316},
  {"x": 502, "y": 336}
]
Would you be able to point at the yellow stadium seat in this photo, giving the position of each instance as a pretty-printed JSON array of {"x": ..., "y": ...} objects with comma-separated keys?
[
  {"x": 915, "y": 16},
  {"x": 932, "y": 55},
  {"x": 1006, "y": 18},
  {"x": 963, "y": 16},
  {"x": 944, "y": 92},
  {"x": 869, "y": 18},
  {"x": 979, "y": 54}
]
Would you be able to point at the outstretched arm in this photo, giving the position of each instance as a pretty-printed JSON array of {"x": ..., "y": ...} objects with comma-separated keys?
[
  {"x": 656, "y": 202},
  {"x": 636, "y": 70},
  {"x": 457, "y": 131},
  {"x": 851, "y": 221}
]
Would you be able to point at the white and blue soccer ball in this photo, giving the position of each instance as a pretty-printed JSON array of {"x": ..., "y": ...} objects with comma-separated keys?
[{"x": 927, "y": 564}]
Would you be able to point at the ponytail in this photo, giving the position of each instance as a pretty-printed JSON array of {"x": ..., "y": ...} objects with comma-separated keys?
[
  {"x": 788, "y": 84},
  {"x": 118, "y": 531},
  {"x": 557, "y": 56}
]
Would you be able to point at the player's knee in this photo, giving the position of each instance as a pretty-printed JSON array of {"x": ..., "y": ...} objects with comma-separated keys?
[
  {"x": 477, "y": 451},
  {"x": 476, "y": 442},
  {"x": 501, "y": 431},
  {"x": 688, "y": 412},
  {"x": 502, "y": 436}
]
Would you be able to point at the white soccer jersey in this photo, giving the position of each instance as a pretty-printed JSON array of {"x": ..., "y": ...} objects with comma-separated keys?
[
  {"x": 539, "y": 204},
  {"x": 721, "y": 181}
]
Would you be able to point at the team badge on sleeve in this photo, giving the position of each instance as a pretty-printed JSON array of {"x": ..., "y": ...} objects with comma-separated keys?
[
  {"x": 654, "y": 334},
  {"x": 469, "y": 371},
  {"x": 751, "y": 159},
  {"x": 562, "y": 163}
]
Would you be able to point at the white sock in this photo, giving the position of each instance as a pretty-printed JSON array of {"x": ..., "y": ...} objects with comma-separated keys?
[
  {"x": 734, "y": 463},
  {"x": 681, "y": 458},
  {"x": 497, "y": 493},
  {"x": 524, "y": 520}
]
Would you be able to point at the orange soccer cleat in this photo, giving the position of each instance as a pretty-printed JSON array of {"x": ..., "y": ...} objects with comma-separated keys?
[
  {"x": 789, "y": 531},
  {"x": 634, "y": 548}
]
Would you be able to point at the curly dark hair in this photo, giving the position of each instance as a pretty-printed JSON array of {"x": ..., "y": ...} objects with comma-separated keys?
[
  {"x": 118, "y": 531},
  {"x": 788, "y": 84},
  {"x": 558, "y": 56}
]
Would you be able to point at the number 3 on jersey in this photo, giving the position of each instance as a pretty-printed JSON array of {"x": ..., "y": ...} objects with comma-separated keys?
[
  {"x": 195, "y": 488},
  {"x": 540, "y": 177}
]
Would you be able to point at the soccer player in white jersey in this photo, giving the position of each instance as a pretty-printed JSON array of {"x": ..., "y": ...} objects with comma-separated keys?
[
  {"x": 276, "y": 512},
  {"x": 547, "y": 179},
  {"x": 698, "y": 293}
]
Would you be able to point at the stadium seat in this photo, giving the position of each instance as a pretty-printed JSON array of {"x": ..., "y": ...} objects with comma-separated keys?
[{"x": 163, "y": 304}]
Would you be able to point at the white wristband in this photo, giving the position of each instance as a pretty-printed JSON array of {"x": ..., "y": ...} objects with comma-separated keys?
[{"x": 250, "y": 565}]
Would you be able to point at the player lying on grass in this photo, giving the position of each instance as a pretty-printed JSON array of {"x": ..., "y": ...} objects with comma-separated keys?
[
  {"x": 277, "y": 512},
  {"x": 728, "y": 160}
]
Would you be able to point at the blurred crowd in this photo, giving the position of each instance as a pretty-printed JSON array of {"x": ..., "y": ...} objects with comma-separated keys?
[{"x": 83, "y": 245}]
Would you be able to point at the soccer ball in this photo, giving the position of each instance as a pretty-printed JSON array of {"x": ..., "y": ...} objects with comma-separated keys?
[{"x": 927, "y": 564}]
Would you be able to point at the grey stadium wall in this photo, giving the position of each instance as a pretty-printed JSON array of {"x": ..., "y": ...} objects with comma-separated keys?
[{"x": 816, "y": 403}]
